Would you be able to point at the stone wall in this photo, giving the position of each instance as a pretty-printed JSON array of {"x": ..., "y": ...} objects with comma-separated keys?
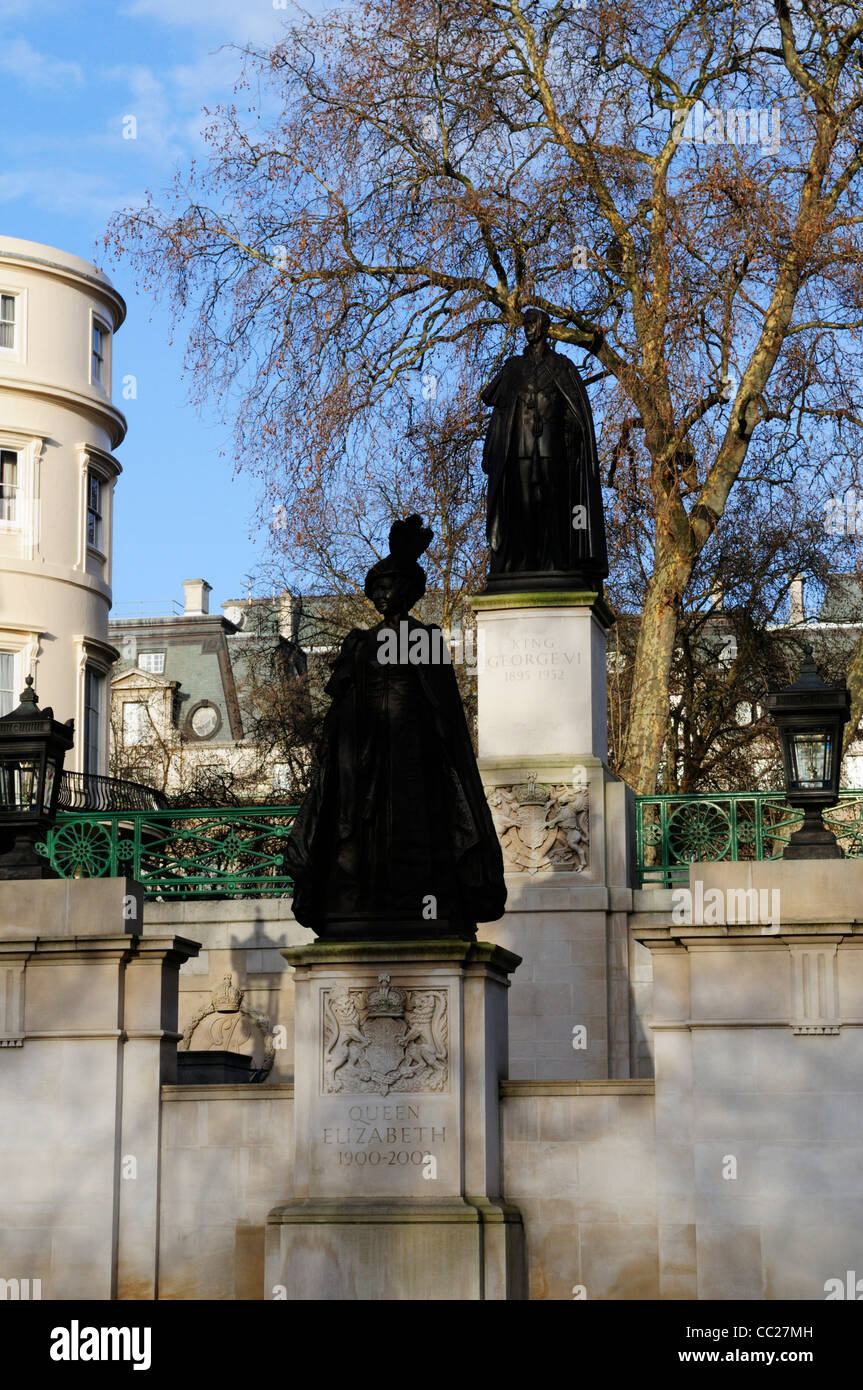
[
  {"x": 87, "y": 1008},
  {"x": 575, "y": 972},
  {"x": 758, "y": 1028},
  {"x": 741, "y": 1179},
  {"x": 578, "y": 1162},
  {"x": 226, "y": 1162},
  {"x": 736, "y": 1174}
]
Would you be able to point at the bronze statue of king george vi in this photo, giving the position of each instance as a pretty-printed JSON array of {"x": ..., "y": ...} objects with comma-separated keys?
[{"x": 545, "y": 527}]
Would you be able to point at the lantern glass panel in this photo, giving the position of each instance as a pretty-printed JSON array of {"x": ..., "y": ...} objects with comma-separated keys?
[
  {"x": 19, "y": 784},
  {"x": 811, "y": 760},
  {"x": 50, "y": 772}
]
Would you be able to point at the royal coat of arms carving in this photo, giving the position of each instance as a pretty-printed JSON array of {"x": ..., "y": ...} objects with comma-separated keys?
[
  {"x": 541, "y": 827},
  {"x": 225, "y": 1024},
  {"x": 384, "y": 1038}
]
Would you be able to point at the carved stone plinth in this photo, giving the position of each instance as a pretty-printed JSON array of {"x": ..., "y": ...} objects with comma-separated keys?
[
  {"x": 542, "y": 675},
  {"x": 543, "y": 735},
  {"x": 565, "y": 825},
  {"x": 400, "y": 1050}
]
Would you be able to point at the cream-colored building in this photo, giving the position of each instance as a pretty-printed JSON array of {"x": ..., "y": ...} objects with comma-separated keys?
[{"x": 58, "y": 431}]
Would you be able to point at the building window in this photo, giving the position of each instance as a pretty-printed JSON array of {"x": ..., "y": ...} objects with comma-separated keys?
[
  {"x": 205, "y": 720},
  {"x": 94, "y": 684},
  {"x": 8, "y": 307},
  {"x": 8, "y": 485},
  {"x": 8, "y": 684},
  {"x": 136, "y": 722},
  {"x": 94, "y": 511},
  {"x": 100, "y": 344},
  {"x": 154, "y": 662}
]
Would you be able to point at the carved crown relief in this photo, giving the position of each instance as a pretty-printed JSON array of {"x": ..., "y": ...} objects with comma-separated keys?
[
  {"x": 226, "y": 1025},
  {"x": 542, "y": 828},
  {"x": 384, "y": 1038}
]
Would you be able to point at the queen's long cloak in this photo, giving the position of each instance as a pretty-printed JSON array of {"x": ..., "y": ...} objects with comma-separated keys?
[{"x": 396, "y": 810}]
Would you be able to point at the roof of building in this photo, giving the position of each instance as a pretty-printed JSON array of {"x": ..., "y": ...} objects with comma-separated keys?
[
  {"x": 52, "y": 258},
  {"x": 843, "y": 600}
]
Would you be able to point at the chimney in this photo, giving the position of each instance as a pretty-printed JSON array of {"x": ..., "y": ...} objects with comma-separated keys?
[
  {"x": 196, "y": 597},
  {"x": 797, "y": 613},
  {"x": 287, "y": 622}
]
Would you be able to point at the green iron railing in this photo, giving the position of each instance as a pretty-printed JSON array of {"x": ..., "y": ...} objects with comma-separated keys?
[
  {"x": 235, "y": 852},
  {"x": 673, "y": 832},
  {"x": 238, "y": 852}
]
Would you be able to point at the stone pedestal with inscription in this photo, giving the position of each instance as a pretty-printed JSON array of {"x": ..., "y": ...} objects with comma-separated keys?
[
  {"x": 400, "y": 1050},
  {"x": 566, "y": 827}
]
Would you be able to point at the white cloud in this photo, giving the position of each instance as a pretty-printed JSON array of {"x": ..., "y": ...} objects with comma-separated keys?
[
  {"x": 19, "y": 59},
  {"x": 236, "y": 20},
  {"x": 210, "y": 78},
  {"x": 65, "y": 190},
  {"x": 167, "y": 105}
]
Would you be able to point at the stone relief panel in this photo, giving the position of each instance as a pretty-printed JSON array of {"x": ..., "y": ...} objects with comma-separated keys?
[
  {"x": 383, "y": 1038},
  {"x": 226, "y": 1025},
  {"x": 12, "y": 1005},
  {"x": 541, "y": 827},
  {"x": 814, "y": 991}
]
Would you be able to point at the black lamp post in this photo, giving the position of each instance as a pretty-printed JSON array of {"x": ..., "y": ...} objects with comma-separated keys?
[
  {"x": 32, "y": 748},
  {"x": 810, "y": 717}
]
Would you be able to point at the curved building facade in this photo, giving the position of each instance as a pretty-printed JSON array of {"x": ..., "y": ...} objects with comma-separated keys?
[{"x": 58, "y": 433}]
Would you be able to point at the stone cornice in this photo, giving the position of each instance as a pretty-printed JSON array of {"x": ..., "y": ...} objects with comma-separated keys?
[
  {"x": 624, "y": 1086},
  {"x": 101, "y": 457},
  {"x": 444, "y": 951},
  {"x": 546, "y": 598},
  {"x": 747, "y": 936},
  {"x": 229, "y": 1091},
  {"x": 95, "y": 645},
  {"x": 94, "y": 284},
  {"x": 101, "y": 411},
  {"x": 177, "y": 627}
]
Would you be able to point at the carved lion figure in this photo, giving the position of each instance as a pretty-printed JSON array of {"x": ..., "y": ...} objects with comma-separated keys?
[{"x": 346, "y": 1025}]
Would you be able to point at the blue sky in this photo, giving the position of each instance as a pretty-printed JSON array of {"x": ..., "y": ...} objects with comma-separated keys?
[{"x": 71, "y": 71}]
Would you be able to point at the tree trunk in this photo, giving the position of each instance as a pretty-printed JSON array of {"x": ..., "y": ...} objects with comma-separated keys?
[
  {"x": 854, "y": 679},
  {"x": 648, "y": 705}
]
